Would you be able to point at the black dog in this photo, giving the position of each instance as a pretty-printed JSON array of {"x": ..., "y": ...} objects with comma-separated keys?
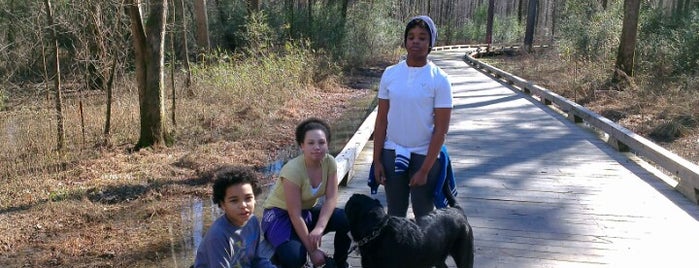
[{"x": 387, "y": 241}]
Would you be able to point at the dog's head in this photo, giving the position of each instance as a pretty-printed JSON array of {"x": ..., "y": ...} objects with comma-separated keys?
[{"x": 363, "y": 212}]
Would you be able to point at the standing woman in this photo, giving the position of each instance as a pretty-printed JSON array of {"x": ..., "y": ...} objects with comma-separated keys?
[
  {"x": 415, "y": 102},
  {"x": 292, "y": 221}
]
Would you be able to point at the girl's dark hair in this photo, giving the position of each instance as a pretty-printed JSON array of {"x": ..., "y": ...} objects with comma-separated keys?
[
  {"x": 311, "y": 124},
  {"x": 232, "y": 175},
  {"x": 417, "y": 23}
]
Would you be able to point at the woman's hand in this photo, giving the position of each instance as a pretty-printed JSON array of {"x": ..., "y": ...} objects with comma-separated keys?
[
  {"x": 379, "y": 174},
  {"x": 317, "y": 257},
  {"x": 419, "y": 178},
  {"x": 316, "y": 236}
]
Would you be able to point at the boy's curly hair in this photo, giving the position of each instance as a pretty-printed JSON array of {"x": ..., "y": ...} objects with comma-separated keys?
[{"x": 232, "y": 175}]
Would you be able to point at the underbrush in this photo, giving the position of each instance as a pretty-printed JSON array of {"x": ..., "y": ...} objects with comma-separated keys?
[{"x": 233, "y": 100}]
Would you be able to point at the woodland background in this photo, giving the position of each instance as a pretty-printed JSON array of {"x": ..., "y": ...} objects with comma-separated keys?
[{"x": 114, "y": 113}]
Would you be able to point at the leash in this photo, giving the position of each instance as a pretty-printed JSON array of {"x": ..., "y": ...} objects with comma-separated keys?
[{"x": 374, "y": 234}]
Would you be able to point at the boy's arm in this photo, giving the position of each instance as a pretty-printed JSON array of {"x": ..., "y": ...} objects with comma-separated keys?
[
  {"x": 218, "y": 251},
  {"x": 263, "y": 254},
  {"x": 262, "y": 261}
]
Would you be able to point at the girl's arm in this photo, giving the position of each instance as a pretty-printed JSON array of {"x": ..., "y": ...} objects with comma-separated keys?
[
  {"x": 292, "y": 196},
  {"x": 328, "y": 206},
  {"x": 379, "y": 138},
  {"x": 442, "y": 116}
]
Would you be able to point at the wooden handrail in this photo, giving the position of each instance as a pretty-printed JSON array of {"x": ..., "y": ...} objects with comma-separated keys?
[
  {"x": 686, "y": 173},
  {"x": 345, "y": 159}
]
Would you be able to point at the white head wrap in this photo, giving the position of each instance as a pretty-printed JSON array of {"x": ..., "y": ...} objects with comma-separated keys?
[{"x": 430, "y": 24}]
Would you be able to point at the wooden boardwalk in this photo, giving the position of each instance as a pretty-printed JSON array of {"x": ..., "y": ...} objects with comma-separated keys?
[{"x": 541, "y": 191}]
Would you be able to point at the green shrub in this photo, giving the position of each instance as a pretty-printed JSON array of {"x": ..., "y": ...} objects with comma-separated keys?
[
  {"x": 506, "y": 30},
  {"x": 370, "y": 33},
  {"x": 263, "y": 81},
  {"x": 688, "y": 34},
  {"x": 235, "y": 91},
  {"x": 667, "y": 45},
  {"x": 474, "y": 29},
  {"x": 588, "y": 32},
  {"x": 257, "y": 34}
]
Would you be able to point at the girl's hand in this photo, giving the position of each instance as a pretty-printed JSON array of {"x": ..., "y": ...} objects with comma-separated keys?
[
  {"x": 379, "y": 174},
  {"x": 316, "y": 236},
  {"x": 419, "y": 178}
]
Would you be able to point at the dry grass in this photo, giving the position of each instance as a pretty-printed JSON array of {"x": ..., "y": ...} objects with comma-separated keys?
[
  {"x": 103, "y": 206},
  {"x": 663, "y": 110}
]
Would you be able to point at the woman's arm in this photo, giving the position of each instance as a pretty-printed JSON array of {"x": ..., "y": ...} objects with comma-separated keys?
[
  {"x": 328, "y": 206},
  {"x": 316, "y": 235},
  {"x": 442, "y": 116},
  {"x": 379, "y": 138},
  {"x": 292, "y": 196}
]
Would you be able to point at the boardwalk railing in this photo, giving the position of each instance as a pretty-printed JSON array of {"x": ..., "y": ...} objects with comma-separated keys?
[
  {"x": 345, "y": 159},
  {"x": 623, "y": 139}
]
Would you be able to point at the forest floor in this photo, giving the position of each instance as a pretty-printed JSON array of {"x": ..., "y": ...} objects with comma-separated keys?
[{"x": 133, "y": 209}]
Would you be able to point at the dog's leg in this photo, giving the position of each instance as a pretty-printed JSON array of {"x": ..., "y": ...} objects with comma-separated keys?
[{"x": 462, "y": 252}]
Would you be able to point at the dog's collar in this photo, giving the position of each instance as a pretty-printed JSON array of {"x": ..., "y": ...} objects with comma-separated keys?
[{"x": 374, "y": 234}]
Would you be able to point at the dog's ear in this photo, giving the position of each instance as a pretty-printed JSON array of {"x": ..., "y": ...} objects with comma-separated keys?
[{"x": 351, "y": 210}]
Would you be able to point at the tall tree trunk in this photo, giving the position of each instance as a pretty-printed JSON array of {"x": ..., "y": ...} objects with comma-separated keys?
[
  {"x": 519, "y": 11},
  {"x": 185, "y": 58},
  {"x": 60, "y": 132},
  {"x": 290, "y": 16},
  {"x": 149, "y": 44},
  {"x": 682, "y": 5},
  {"x": 97, "y": 48},
  {"x": 310, "y": 16},
  {"x": 222, "y": 15},
  {"x": 108, "y": 117},
  {"x": 173, "y": 62},
  {"x": 627, "y": 47},
  {"x": 531, "y": 25},
  {"x": 11, "y": 28},
  {"x": 553, "y": 20},
  {"x": 202, "y": 21},
  {"x": 686, "y": 7},
  {"x": 110, "y": 81},
  {"x": 345, "y": 5},
  {"x": 489, "y": 23},
  {"x": 253, "y": 6}
]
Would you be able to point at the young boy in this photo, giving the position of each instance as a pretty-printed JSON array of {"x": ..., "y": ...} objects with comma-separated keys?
[{"x": 233, "y": 240}]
